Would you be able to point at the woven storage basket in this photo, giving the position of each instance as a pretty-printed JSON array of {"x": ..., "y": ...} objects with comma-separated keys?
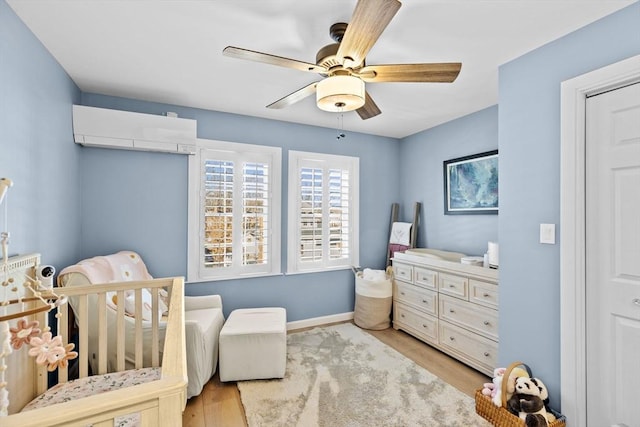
[{"x": 500, "y": 416}]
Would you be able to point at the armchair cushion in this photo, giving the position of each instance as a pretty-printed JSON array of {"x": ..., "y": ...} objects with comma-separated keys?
[{"x": 147, "y": 310}]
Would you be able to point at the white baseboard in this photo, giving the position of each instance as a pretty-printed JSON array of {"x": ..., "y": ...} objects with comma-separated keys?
[{"x": 316, "y": 321}]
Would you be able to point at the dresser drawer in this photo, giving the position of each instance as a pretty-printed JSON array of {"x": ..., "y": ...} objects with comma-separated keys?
[
  {"x": 482, "y": 351},
  {"x": 453, "y": 285},
  {"x": 417, "y": 297},
  {"x": 471, "y": 316},
  {"x": 418, "y": 323},
  {"x": 403, "y": 272},
  {"x": 483, "y": 293},
  {"x": 425, "y": 278}
]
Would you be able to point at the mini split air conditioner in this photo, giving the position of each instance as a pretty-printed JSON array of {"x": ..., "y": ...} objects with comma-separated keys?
[{"x": 101, "y": 127}]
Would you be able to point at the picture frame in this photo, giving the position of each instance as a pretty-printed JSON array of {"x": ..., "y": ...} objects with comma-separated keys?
[{"x": 471, "y": 184}]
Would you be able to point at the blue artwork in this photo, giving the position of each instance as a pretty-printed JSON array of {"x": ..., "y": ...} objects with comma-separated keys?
[{"x": 471, "y": 184}]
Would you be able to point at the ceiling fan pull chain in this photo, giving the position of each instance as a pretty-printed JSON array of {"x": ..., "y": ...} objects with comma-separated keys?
[{"x": 340, "y": 129}]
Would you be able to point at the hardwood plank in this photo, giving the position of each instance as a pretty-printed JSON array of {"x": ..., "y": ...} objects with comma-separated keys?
[
  {"x": 193, "y": 415},
  {"x": 227, "y": 409},
  {"x": 219, "y": 404}
]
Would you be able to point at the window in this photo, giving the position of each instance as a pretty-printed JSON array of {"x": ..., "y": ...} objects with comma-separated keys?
[
  {"x": 234, "y": 211},
  {"x": 323, "y": 212}
]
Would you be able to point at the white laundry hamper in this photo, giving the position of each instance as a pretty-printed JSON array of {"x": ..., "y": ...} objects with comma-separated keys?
[{"x": 374, "y": 297}]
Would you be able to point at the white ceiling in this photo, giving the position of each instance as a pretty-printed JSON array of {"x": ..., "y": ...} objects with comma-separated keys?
[{"x": 171, "y": 51}]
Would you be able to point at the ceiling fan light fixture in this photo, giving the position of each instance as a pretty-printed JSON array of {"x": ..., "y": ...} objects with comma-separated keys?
[{"x": 340, "y": 93}]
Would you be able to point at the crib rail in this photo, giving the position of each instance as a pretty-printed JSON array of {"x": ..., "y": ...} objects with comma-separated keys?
[
  {"x": 161, "y": 402},
  {"x": 99, "y": 311}
]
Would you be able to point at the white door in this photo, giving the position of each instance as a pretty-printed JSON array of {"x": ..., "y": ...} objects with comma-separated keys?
[{"x": 613, "y": 258}]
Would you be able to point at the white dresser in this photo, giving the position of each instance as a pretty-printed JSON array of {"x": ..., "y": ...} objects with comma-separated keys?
[{"x": 451, "y": 306}]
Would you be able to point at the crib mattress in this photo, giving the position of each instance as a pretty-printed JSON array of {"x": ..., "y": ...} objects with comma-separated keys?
[{"x": 96, "y": 384}]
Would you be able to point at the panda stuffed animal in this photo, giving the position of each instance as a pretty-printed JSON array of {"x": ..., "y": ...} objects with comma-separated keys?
[
  {"x": 544, "y": 395},
  {"x": 527, "y": 403}
]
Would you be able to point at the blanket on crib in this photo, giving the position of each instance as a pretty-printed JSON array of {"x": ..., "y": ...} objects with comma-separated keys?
[
  {"x": 120, "y": 267},
  {"x": 123, "y": 266}
]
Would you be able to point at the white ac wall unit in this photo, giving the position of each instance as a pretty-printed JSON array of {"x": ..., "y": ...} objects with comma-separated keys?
[{"x": 101, "y": 127}]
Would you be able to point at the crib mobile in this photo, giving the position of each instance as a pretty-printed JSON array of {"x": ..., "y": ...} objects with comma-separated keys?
[{"x": 31, "y": 295}]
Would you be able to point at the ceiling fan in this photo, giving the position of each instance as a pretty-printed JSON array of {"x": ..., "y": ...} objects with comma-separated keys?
[{"x": 343, "y": 63}]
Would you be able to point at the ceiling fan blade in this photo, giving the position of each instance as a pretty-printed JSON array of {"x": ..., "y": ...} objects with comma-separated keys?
[
  {"x": 368, "y": 21},
  {"x": 435, "y": 73},
  {"x": 251, "y": 55},
  {"x": 369, "y": 109},
  {"x": 294, "y": 97}
]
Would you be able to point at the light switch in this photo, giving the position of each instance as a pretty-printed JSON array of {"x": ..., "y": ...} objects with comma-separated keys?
[{"x": 548, "y": 234}]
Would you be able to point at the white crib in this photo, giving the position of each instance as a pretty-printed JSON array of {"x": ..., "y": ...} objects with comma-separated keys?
[{"x": 159, "y": 402}]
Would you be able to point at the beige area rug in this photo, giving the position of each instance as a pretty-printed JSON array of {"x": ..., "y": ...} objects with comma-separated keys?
[{"x": 342, "y": 376}]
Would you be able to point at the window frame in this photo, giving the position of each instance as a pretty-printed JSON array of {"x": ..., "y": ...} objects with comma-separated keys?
[
  {"x": 238, "y": 152},
  {"x": 302, "y": 159}
]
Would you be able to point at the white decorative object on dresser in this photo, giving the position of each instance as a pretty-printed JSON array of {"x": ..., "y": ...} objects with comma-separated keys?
[{"x": 448, "y": 305}]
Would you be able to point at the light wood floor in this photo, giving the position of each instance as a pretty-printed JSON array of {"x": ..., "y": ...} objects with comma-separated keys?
[{"x": 219, "y": 403}]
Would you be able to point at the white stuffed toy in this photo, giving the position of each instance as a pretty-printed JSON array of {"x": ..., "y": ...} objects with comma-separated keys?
[{"x": 496, "y": 395}]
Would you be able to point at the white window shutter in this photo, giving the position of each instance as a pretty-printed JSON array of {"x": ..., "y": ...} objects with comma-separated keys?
[
  {"x": 236, "y": 230},
  {"x": 323, "y": 217}
]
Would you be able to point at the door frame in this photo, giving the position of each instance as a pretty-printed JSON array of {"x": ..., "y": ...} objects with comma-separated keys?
[{"x": 574, "y": 93}]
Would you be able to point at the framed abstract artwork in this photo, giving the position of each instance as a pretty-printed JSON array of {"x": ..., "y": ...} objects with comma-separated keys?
[{"x": 471, "y": 184}]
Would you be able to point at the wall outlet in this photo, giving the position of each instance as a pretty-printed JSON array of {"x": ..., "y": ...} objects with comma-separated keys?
[{"x": 548, "y": 234}]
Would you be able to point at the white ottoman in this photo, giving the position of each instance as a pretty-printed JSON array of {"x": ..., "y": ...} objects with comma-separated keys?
[{"x": 253, "y": 344}]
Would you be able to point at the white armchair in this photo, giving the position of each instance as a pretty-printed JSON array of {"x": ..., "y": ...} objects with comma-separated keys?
[{"x": 203, "y": 318}]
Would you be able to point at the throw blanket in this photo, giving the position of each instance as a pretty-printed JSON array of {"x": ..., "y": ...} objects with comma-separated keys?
[
  {"x": 393, "y": 248},
  {"x": 400, "y": 238},
  {"x": 124, "y": 266},
  {"x": 400, "y": 233},
  {"x": 120, "y": 267}
]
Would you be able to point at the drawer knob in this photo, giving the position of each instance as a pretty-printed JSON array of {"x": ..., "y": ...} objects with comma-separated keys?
[
  {"x": 451, "y": 310},
  {"x": 486, "y": 295},
  {"x": 425, "y": 326},
  {"x": 452, "y": 286},
  {"x": 402, "y": 315},
  {"x": 424, "y": 301},
  {"x": 486, "y": 354},
  {"x": 401, "y": 293},
  {"x": 452, "y": 338},
  {"x": 486, "y": 323}
]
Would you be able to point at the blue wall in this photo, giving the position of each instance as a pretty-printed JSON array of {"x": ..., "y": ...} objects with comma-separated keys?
[
  {"x": 529, "y": 144},
  {"x": 139, "y": 200},
  {"x": 421, "y": 180},
  {"x": 36, "y": 147}
]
